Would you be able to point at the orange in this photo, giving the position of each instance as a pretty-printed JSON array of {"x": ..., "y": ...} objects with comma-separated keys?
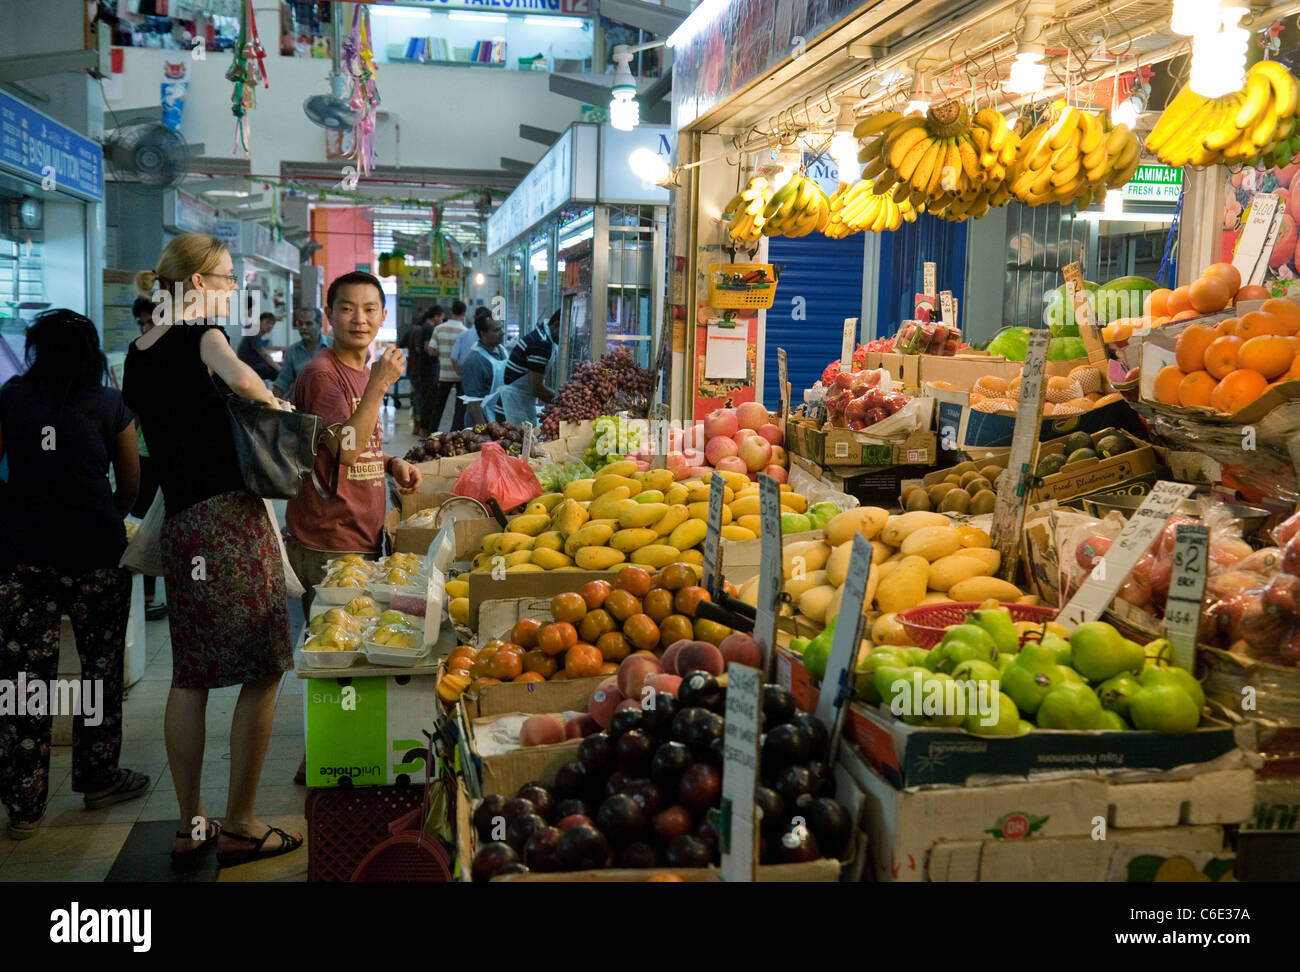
[
  {"x": 1161, "y": 321},
  {"x": 1190, "y": 349},
  {"x": 1227, "y": 273},
  {"x": 582, "y": 661},
  {"x": 1157, "y": 302},
  {"x": 1293, "y": 373},
  {"x": 1257, "y": 323},
  {"x": 1196, "y": 389},
  {"x": 1251, "y": 293},
  {"x": 1270, "y": 356},
  {"x": 1179, "y": 300},
  {"x": 1221, "y": 355},
  {"x": 1237, "y": 390},
  {"x": 1209, "y": 294},
  {"x": 1186, "y": 315},
  {"x": 1226, "y": 326},
  {"x": 1167, "y": 382},
  {"x": 1285, "y": 311}
]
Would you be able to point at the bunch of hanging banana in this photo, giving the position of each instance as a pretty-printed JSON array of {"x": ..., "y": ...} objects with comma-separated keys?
[
  {"x": 746, "y": 211},
  {"x": 855, "y": 208},
  {"x": 796, "y": 209},
  {"x": 1072, "y": 157},
  {"x": 1257, "y": 123}
]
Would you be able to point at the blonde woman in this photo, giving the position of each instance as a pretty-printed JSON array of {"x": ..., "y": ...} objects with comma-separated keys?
[{"x": 225, "y": 582}]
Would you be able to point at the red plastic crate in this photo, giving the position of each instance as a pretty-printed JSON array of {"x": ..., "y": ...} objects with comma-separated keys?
[{"x": 344, "y": 825}]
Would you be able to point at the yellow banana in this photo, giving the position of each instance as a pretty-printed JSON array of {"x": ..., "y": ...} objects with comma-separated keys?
[
  {"x": 1066, "y": 127},
  {"x": 1090, "y": 133},
  {"x": 966, "y": 155},
  {"x": 924, "y": 169},
  {"x": 876, "y": 123},
  {"x": 1257, "y": 91},
  {"x": 900, "y": 138},
  {"x": 914, "y": 158},
  {"x": 1172, "y": 119},
  {"x": 1262, "y": 133},
  {"x": 1286, "y": 93}
]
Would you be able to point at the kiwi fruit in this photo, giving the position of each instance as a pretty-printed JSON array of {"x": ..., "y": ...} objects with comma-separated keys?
[
  {"x": 953, "y": 478},
  {"x": 1050, "y": 465},
  {"x": 937, "y": 492},
  {"x": 1081, "y": 455},
  {"x": 956, "y": 501},
  {"x": 977, "y": 484},
  {"x": 916, "y": 500},
  {"x": 990, "y": 472},
  {"x": 968, "y": 477},
  {"x": 983, "y": 502},
  {"x": 1076, "y": 441},
  {"x": 962, "y": 467},
  {"x": 1113, "y": 445}
]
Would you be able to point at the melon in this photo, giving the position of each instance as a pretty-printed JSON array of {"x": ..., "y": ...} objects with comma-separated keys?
[
  {"x": 1058, "y": 313},
  {"x": 1122, "y": 297}
]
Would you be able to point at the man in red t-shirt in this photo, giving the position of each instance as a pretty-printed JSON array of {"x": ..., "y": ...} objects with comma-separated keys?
[{"x": 346, "y": 393}]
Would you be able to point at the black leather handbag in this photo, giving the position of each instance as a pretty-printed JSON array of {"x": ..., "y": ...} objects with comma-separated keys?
[{"x": 276, "y": 449}]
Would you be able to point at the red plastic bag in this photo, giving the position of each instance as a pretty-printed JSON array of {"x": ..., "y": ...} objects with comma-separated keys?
[{"x": 510, "y": 481}]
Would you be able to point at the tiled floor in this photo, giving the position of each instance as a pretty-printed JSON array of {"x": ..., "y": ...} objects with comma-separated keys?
[{"x": 132, "y": 840}]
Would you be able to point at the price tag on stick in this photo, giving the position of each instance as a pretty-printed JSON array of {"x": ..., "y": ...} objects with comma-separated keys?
[
  {"x": 930, "y": 276},
  {"x": 1141, "y": 531},
  {"x": 946, "y": 313},
  {"x": 843, "y": 659},
  {"x": 848, "y": 343},
  {"x": 527, "y": 449},
  {"x": 1187, "y": 591},
  {"x": 769, "y": 582},
  {"x": 1013, "y": 490},
  {"x": 712, "y": 583},
  {"x": 739, "y": 826},
  {"x": 659, "y": 435},
  {"x": 783, "y": 386}
]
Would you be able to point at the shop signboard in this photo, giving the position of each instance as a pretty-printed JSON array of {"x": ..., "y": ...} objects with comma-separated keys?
[
  {"x": 578, "y": 8},
  {"x": 1155, "y": 183},
  {"x": 183, "y": 213},
  {"x": 547, "y": 187},
  {"x": 228, "y": 232},
  {"x": 823, "y": 171},
  {"x": 38, "y": 148},
  {"x": 618, "y": 183}
]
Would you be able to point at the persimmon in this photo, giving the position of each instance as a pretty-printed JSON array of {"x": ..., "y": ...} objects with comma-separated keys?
[
  {"x": 557, "y": 637},
  {"x": 1237, "y": 390},
  {"x": 634, "y": 580},
  {"x": 582, "y": 661}
]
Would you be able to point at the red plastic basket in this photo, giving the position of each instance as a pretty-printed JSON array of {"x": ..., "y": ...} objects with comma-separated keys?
[
  {"x": 346, "y": 824},
  {"x": 926, "y": 625}
]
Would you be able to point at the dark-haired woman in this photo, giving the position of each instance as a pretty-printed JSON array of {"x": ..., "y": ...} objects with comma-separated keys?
[{"x": 62, "y": 525}]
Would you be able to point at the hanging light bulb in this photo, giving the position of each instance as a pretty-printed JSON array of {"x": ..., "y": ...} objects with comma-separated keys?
[
  {"x": 624, "y": 112},
  {"x": 1191, "y": 17},
  {"x": 919, "y": 101},
  {"x": 1219, "y": 56},
  {"x": 1113, "y": 207},
  {"x": 844, "y": 147},
  {"x": 1028, "y": 72},
  {"x": 786, "y": 164}
]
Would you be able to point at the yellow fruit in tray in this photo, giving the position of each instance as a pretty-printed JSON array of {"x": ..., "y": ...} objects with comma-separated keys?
[
  {"x": 605, "y": 484},
  {"x": 399, "y": 578},
  {"x": 689, "y": 534},
  {"x": 866, "y": 520},
  {"x": 675, "y": 516},
  {"x": 745, "y": 506},
  {"x": 579, "y": 489},
  {"x": 656, "y": 555},
  {"x": 700, "y": 511},
  {"x": 592, "y": 535},
  {"x": 334, "y": 616},
  {"x": 348, "y": 560},
  {"x": 888, "y": 630},
  {"x": 344, "y": 580},
  {"x": 649, "y": 496},
  {"x": 334, "y": 638},
  {"x": 597, "y": 508},
  {"x": 988, "y": 558},
  {"x": 980, "y": 588},
  {"x": 364, "y": 606},
  {"x": 395, "y": 636},
  {"x": 641, "y": 514},
  {"x": 898, "y": 527},
  {"x": 753, "y": 523},
  {"x": 457, "y": 588},
  {"x": 567, "y": 517},
  {"x": 932, "y": 543},
  {"x": 451, "y": 685},
  {"x": 733, "y": 531},
  {"x": 530, "y": 524},
  {"x": 548, "y": 559},
  {"x": 626, "y": 468},
  {"x": 550, "y": 540},
  {"x": 597, "y": 558},
  {"x": 693, "y": 557},
  {"x": 677, "y": 494},
  {"x": 632, "y": 539},
  {"x": 904, "y": 585},
  {"x": 837, "y": 565},
  {"x": 458, "y": 610}
]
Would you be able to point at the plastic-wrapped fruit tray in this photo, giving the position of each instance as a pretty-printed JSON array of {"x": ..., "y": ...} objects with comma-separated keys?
[{"x": 926, "y": 625}]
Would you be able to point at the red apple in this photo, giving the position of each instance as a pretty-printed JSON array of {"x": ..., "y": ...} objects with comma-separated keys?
[
  {"x": 843, "y": 381},
  {"x": 750, "y": 415},
  {"x": 755, "y": 452},
  {"x": 875, "y": 397},
  {"x": 731, "y": 464},
  {"x": 776, "y": 472},
  {"x": 720, "y": 447},
  {"x": 856, "y": 411},
  {"x": 772, "y": 433},
  {"x": 721, "y": 421},
  {"x": 779, "y": 457}
]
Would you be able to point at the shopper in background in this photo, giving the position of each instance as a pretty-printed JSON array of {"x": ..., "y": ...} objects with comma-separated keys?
[
  {"x": 484, "y": 369},
  {"x": 252, "y": 349},
  {"x": 63, "y": 534},
  {"x": 465, "y": 343},
  {"x": 308, "y": 325},
  {"x": 154, "y": 610},
  {"x": 428, "y": 355},
  {"x": 523, "y": 388},
  {"x": 221, "y": 557},
  {"x": 413, "y": 362},
  {"x": 445, "y": 335},
  {"x": 346, "y": 391},
  {"x": 419, "y": 367}
]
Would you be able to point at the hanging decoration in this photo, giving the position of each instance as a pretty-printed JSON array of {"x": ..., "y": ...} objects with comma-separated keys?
[
  {"x": 359, "y": 64},
  {"x": 246, "y": 70}
]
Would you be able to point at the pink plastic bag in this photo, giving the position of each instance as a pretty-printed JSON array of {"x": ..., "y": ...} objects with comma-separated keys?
[{"x": 510, "y": 481}]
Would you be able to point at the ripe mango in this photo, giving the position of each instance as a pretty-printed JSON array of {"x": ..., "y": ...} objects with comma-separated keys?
[
  {"x": 655, "y": 479},
  {"x": 745, "y": 506},
  {"x": 632, "y": 539},
  {"x": 795, "y": 501},
  {"x": 530, "y": 523},
  {"x": 456, "y": 588},
  {"x": 548, "y": 500},
  {"x": 700, "y": 511},
  {"x": 814, "y": 554},
  {"x": 598, "y": 558},
  {"x": 688, "y": 534},
  {"x": 649, "y": 496},
  {"x": 752, "y": 522},
  {"x": 458, "y": 610},
  {"x": 569, "y": 516},
  {"x": 624, "y": 467},
  {"x": 698, "y": 492},
  {"x": 983, "y": 588},
  {"x": 589, "y": 536},
  {"x": 529, "y": 568},
  {"x": 597, "y": 507},
  {"x": 904, "y": 586},
  {"x": 550, "y": 540},
  {"x": 549, "y": 559},
  {"x": 677, "y": 494},
  {"x": 672, "y": 519},
  {"x": 605, "y": 483},
  {"x": 693, "y": 557},
  {"x": 734, "y": 532},
  {"x": 656, "y": 555},
  {"x": 518, "y": 557},
  {"x": 641, "y": 514},
  {"x": 579, "y": 489}
]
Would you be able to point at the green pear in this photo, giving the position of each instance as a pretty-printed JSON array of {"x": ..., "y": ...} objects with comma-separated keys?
[
  {"x": 975, "y": 670},
  {"x": 1060, "y": 647},
  {"x": 998, "y": 623},
  {"x": 1071, "y": 675},
  {"x": 1031, "y": 676},
  {"x": 915, "y": 656},
  {"x": 1116, "y": 692},
  {"x": 940, "y": 705},
  {"x": 1004, "y": 661},
  {"x": 1024, "y": 726},
  {"x": 1164, "y": 707},
  {"x": 963, "y": 642},
  {"x": 1100, "y": 652},
  {"x": 1070, "y": 706},
  {"x": 1113, "y": 721},
  {"x": 1007, "y": 716},
  {"x": 865, "y": 683},
  {"x": 891, "y": 681},
  {"x": 1184, "y": 679}
]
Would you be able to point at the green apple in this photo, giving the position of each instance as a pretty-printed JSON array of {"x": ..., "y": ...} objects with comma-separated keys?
[{"x": 1070, "y": 706}]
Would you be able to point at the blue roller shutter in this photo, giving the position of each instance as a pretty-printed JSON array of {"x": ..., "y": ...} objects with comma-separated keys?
[
  {"x": 827, "y": 274},
  {"x": 903, "y": 255}
]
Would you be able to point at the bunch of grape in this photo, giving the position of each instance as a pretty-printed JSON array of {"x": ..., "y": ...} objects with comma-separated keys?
[{"x": 612, "y": 384}]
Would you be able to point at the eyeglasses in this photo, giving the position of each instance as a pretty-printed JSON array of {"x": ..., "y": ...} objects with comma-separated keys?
[{"x": 226, "y": 276}]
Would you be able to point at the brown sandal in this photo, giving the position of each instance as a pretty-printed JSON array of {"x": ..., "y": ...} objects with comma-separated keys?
[
  {"x": 128, "y": 786},
  {"x": 288, "y": 843}
]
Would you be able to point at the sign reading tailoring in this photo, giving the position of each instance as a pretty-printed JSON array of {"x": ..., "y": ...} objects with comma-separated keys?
[{"x": 549, "y": 6}]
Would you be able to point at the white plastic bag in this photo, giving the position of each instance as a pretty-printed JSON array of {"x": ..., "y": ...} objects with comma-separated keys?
[
  {"x": 143, "y": 552},
  {"x": 292, "y": 585}
]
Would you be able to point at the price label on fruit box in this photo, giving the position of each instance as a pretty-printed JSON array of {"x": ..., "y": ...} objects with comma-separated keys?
[
  {"x": 527, "y": 449},
  {"x": 716, "y": 496},
  {"x": 1187, "y": 591},
  {"x": 945, "y": 307},
  {"x": 738, "y": 831},
  {"x": 783, "y": 386},
  {"x": 659, "y": 433},
  {"x": 837, "y": 683},
  {"x": 848, "y": 343},
  {"x": 1013, "y": 490},
  {"x": 1108, "y": 575},
  {"x": 769, "y": 581}
]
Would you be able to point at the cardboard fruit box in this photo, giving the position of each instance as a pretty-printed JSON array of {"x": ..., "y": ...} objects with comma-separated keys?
[
  {"x": 845, "y": 447},
  {"x": 505, "y": 773},
  {"x": 1093, "y": 475},
  {"x": 911, "y": 756},
  {"x": 963, "y": 428}
]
